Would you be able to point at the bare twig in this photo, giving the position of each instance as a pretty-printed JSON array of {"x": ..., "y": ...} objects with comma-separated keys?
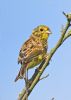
[
  {"x": 68, "y": 34},
  {"x": 65, "y": 14},
  {"x": 68, "y": 16},
  {"x": 52, "y": 98},
  {"x": 36, "y": 76},
  {"x": 44, "y": 77}
]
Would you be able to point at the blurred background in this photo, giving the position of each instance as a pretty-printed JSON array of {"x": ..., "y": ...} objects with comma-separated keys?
[{"x": 17, "y": 20}]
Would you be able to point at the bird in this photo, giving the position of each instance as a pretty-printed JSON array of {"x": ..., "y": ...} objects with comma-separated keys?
[{"x": 34, "y": 50}]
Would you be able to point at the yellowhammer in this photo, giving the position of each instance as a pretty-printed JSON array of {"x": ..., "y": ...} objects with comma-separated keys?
[{"x": 34, "y": 50}]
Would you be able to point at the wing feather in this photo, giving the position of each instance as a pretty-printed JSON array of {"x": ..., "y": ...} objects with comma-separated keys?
[{"x": 29, "y": 50}]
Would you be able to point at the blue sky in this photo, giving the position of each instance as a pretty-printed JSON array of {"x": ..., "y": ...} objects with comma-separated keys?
[{"x": 17, "y": 19}]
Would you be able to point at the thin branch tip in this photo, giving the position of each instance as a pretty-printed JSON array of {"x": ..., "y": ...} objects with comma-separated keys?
[
  {"x": 64, "y": 13},
  {"x": 68, "y": 16},
  {"x": 52, "y": 98},
  {"x": 44, "y": 77}
]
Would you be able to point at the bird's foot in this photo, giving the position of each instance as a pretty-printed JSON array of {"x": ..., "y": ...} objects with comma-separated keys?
[
  {"x": 39, "y": 69},
  {"x": 46, "y": 56}
]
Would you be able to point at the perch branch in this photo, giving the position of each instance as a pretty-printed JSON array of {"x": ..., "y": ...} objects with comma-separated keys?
[{"x": 38, "y": 72}]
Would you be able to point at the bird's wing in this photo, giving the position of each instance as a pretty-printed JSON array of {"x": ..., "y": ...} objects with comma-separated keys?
[{"x": 29, "y": 50}]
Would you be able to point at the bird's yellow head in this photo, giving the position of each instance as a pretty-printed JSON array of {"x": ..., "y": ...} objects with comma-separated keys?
[{"x": 42, "y": 31}]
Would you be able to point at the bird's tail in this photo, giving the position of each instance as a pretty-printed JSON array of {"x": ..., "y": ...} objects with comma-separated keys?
[
  {"x": 17, "y": 77},
  {"x": 20, "y": 74}
]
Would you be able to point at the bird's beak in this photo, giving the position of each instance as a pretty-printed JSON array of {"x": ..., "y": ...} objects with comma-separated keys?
[{"x": 49, "y": 32}]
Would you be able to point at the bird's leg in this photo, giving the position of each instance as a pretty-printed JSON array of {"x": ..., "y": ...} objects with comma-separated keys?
[
  {"x": 26, "y": 83},
  {"x": 27, "y": 79}
]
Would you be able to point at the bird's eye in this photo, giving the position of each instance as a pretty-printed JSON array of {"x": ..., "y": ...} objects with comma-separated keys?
[{"x": 41, "y": 29}]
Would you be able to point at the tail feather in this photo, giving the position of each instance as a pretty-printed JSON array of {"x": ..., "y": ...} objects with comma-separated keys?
[
  {"x": 17, "y": 77},
  {"x": 20, "y": 74}
]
